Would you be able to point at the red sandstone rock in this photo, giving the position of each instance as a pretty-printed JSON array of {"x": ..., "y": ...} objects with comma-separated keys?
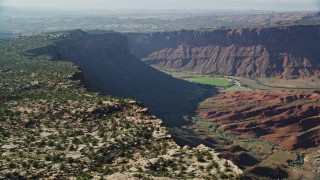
[{"x": 287, "y": 118}]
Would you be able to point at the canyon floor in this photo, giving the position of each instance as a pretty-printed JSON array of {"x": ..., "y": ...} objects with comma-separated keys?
[{"x": 269, "y": 132}]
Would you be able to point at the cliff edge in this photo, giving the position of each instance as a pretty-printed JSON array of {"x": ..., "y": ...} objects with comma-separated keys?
[{"x": 288, "y": 52}]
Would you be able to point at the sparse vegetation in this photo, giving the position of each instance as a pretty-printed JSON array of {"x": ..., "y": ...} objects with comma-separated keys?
[{"x": 52, "y": 127}]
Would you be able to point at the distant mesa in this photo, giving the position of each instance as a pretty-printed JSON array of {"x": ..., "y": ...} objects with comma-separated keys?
[{"x": 289, "y": 52}]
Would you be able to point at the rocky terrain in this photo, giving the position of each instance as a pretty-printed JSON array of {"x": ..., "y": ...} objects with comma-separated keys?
[
  {"x": 282, "y": 52},
  {"x": 289, "y": 119},
  {"x": 53, "y": 128},
  {"x": 271, "y": 133},
  {"x": 109, "y": 68}
]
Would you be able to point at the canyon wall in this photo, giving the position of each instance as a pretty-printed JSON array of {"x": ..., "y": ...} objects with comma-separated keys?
[
  {"x": 109, "y": 68},
  {"x": 288, "y": 52}
]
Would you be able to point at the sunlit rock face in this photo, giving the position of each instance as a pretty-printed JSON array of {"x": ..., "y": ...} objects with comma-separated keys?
[{"x": 289, "y": 52}]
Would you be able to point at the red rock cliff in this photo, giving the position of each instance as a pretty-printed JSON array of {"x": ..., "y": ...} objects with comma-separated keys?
[{"x": 290, "y": 52}]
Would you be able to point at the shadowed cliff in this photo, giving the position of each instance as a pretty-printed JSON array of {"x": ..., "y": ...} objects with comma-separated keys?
[
  {"x": 109, "y": 68},
  {"x": 289, "y": 52}
]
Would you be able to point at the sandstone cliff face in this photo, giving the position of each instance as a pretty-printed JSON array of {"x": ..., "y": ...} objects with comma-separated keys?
[
  {"x": 290, "y": 52},
  {"x": 213, "y": 59},
  {"x": 110, "y": 68}
]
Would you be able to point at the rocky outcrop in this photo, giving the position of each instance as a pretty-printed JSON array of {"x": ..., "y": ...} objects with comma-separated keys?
[
  {"x": 289, "y": 52},
  {"x": 287, "y": 118},
  {"x": 109, "y": 68}
]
